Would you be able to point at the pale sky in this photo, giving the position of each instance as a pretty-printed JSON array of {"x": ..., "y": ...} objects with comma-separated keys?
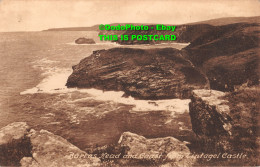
[{"x": 35, "y": 15}]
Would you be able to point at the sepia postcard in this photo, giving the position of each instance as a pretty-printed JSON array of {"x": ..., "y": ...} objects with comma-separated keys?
[{"x": 118, "y": 83}]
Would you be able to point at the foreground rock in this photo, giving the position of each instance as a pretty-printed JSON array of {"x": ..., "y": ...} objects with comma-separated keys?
[
  {"x": 144, "y": 74},
  {"x": 18, "y": 147},
  {"x": 52, "y": 150},
  {"x": 168, "y": 150},
  {"x": 85, "y": 41},
  {"x": 210, "y": 114},
  {"x": 227, "y": 121},
  {"x": 14, "y": 144}
]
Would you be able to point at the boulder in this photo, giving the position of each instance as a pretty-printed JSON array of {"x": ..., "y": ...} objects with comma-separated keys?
[
  {"x": 168, "y": 150},
  {"x": 14, "y": 144},
  {"x": 141, "y": 73},
  {"x": 20, "y": 146},
  {"x": 12, "y": 132},
  {"x": 52, "y": 150},
  {"x": 84, "y": 41}
]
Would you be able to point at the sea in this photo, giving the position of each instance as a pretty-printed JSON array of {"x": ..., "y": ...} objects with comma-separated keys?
[{"x": 34, "y": 67}]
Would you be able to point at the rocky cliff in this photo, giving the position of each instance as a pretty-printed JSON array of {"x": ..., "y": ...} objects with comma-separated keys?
[{"x": 141, "y": 73}]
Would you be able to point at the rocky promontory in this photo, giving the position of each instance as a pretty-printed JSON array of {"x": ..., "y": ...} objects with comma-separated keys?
[{"x": 141, "y": 73}]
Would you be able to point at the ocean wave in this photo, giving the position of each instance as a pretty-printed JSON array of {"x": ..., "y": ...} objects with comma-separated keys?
[{"x": 53, "y": 83}]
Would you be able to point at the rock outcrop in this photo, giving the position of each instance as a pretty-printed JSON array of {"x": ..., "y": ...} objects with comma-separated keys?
[
  {"x": 29, "y": 148},
  {"x": 52, "y": 150},
  {"x": 167, "y": 150},
  {"x": 141, "y": 73},
  {"x": 209, "y": 114},
  {"x": 84, "y": 41},
  {"x": 228, "y": 121}
]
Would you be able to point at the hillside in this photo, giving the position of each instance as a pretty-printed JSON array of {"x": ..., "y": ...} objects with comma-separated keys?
[{"x": 229, "y": 20}]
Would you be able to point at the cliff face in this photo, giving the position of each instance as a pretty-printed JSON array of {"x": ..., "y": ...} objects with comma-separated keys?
[
  {"x": 227, "y": 121},
  {"x": 144, "y": 74}
]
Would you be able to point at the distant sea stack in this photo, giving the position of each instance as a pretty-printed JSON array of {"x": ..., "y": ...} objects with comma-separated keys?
[
  {"x": 84, "y": 41},
  {"x": 141, "y": 73}
]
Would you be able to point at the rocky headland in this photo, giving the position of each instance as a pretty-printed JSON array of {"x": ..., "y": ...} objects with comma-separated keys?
[{"x": 143, "y": 74}]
